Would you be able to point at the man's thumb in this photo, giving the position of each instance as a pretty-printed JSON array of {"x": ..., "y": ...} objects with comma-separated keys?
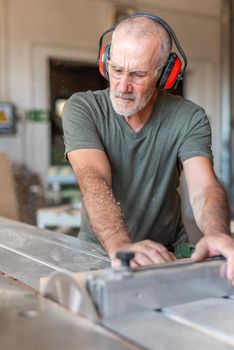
[{"x": 201, "y": 251}]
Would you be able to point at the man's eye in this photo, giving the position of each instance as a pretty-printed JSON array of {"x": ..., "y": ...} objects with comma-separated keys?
[
  {"x": 138, "y": 74},
  {"x": 117, "y": 69}
]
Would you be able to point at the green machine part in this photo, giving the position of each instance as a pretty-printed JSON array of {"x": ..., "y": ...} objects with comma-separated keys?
[{"x": 183, "y": 250}]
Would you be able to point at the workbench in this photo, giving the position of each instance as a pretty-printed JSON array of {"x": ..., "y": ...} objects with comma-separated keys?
[{"x": 176, "y": 306}]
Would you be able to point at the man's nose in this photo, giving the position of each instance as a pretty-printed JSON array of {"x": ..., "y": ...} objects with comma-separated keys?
[{"x": 124, "y": 84}]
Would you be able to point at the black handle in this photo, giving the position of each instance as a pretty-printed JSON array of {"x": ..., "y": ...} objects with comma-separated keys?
[{"x": 125, "y": 257}]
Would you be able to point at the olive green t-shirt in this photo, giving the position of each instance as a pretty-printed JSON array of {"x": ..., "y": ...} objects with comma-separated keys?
[{"x": 145, "y": 165}]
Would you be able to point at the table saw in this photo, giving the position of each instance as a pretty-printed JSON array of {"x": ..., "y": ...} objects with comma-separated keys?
[{"x": 58, "y": 292}]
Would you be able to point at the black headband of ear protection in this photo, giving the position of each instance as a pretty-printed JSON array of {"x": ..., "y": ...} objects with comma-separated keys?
[{"x": 165, "y": 25}]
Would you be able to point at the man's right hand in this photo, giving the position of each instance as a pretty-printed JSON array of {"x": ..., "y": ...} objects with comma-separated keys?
[{"x": 146, "y": 252}]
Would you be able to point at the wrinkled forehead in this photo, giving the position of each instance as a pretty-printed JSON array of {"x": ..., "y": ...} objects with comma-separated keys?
[
  {"x": 140, "y": 51},
  {"x": 138, "y": 38}
]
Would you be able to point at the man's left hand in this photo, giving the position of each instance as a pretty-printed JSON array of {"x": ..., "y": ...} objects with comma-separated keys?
[{"x": 217, "y": 244}]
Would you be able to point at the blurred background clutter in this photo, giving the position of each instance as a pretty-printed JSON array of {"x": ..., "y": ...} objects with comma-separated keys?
[{"x": 48, "y": 51}]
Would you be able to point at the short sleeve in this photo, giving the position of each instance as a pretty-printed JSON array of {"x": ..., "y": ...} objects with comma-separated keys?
[
  {"x": 196, "y": 137},
  {"x": 79, "y": 128}
]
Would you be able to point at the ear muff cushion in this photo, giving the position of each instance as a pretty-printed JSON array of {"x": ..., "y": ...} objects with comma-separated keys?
[
  {"x": 103, "y": 56},
  {"x": 101, "y": 61},
  {"x": 170, "y": 72}
]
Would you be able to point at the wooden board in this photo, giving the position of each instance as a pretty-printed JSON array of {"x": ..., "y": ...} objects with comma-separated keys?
[{"x": 8, "y": 197}]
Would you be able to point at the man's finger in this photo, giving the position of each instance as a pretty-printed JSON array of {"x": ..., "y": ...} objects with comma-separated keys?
[
  {"x": 228, "y": 253},
  {"x": 160, "y": 256},
  {"x": 230, "y": 268},
  {"x": 201, "y": 251},
  {"x": 154, "y": 250},
  {"x": 142, "y": 259}
]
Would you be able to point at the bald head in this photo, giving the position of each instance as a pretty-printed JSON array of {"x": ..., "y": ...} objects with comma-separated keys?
[{"x": 140, "y": 28}]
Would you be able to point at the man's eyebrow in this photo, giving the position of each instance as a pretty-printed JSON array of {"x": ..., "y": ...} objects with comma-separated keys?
[{"x": 130, "y": 70}]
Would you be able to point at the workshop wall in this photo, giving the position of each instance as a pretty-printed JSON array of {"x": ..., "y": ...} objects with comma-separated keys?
[{"x": 32, "y": 31}]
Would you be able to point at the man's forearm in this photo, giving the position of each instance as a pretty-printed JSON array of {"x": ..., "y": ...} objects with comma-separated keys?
[
  {"x": 211, "y": 210},
  {"x": 104, "y": 212}
]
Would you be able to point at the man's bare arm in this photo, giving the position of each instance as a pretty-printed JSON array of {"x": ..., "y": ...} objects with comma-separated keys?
[
  {"x": 93, "y": 173},
  {"x": 211, "y": 211},
  {"x": 207, "y": 196}
]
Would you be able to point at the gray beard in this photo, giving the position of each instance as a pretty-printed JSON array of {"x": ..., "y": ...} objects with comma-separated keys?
[{"x": 133, "y": 110}]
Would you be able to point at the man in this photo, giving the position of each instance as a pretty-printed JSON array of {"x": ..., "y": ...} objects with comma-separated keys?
[{"x": 128, "y": 145}]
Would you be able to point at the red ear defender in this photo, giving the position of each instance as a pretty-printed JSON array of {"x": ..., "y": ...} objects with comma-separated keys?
[
  {"x": 170, "y": 73},
  {"x": 103, "y": 56},
  {"x": 101, "y": 63},
  {"x": 174, "y": 74}
]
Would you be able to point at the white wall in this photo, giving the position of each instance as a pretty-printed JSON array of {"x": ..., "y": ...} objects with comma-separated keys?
[{"x": 32, "y": 30}]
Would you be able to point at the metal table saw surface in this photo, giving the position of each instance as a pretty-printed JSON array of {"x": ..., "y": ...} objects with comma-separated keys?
[
  {"x": 28, "y": 253},
  {"x": 29, "y": 320}
]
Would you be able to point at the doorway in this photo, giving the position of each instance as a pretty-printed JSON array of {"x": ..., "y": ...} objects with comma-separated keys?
[{"x": 66, "y": 78}]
